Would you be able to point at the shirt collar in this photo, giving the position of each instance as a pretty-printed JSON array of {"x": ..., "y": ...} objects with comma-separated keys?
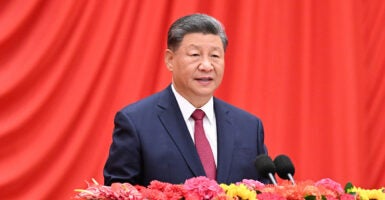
[{"x": 187, "y": 108}]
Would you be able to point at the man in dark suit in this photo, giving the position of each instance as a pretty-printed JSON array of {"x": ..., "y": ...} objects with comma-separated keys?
[{"x": 154, "y": 139}]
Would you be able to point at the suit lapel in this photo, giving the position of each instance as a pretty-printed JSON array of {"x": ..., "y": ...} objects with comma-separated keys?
[
  {"x": 226, "y": 133},
  {"x": 172, "y": 119}
]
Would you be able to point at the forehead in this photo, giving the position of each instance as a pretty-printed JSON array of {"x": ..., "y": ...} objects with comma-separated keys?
[{"x": 201, "y": 40}]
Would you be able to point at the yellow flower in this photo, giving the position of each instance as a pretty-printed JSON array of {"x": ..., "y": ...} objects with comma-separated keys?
[
  {"x": 366, "y": 194},
  {"x": 239, "y": 191}
]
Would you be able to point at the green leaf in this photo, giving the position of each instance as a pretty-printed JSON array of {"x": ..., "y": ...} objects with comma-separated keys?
[
  {"x": 310, "y": 197},
  {"x": 348, "y": 187}
]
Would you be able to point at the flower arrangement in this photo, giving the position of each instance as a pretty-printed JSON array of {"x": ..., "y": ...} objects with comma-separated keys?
[{"x": 202, "y": 188}]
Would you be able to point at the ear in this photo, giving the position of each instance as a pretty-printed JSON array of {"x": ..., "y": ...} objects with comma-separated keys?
[{"x": 168, "y": 59}]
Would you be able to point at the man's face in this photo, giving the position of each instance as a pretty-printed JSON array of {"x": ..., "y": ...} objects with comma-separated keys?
[{"x": 197, "y": 66}]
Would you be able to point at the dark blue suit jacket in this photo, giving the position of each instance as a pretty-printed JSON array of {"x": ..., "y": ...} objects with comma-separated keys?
[{"x": 151, "y": 142}]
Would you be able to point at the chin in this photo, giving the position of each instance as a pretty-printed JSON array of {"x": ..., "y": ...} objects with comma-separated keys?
[{"x": 207, "y": 93}]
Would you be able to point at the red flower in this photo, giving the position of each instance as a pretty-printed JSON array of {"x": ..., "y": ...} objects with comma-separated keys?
[
  {"x": 347, "y": 197},
  {"x": 124, "y": 191},
  {"x": 171, "y": 191},
  {"x": 270, "y": 196}
]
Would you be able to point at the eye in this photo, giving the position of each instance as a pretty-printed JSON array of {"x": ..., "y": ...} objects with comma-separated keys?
[
  {"x": 194, "y": 54},
  {"x": 215, "y": 55}
]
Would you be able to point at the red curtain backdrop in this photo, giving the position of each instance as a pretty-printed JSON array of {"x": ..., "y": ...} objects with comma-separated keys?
[{"x": 313, "y": 71}]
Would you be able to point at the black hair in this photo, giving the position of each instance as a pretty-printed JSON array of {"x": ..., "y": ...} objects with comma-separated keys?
[{"x": 195, "y": 23}]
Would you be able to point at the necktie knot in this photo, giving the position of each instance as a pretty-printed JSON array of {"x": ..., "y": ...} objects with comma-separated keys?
[{"x": 198, "y": 114}]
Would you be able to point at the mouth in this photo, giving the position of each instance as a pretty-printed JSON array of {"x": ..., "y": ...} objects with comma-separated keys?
[{"x": 204, "y": 79}]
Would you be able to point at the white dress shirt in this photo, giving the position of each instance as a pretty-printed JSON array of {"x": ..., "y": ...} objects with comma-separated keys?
[{"x": 209, "y": 121}]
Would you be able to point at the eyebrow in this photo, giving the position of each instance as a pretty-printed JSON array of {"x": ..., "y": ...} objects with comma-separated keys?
[{"x": 195, "y": 46}]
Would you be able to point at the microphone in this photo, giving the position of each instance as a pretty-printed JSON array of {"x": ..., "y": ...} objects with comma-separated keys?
[
  {"x": 265, "y": 167},
  {"x": 285, "y": 168}
]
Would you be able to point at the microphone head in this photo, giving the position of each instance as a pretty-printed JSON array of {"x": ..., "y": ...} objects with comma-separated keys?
[
  {"x": 264, "y": 165},
  {"x": 284, "y": 166}
]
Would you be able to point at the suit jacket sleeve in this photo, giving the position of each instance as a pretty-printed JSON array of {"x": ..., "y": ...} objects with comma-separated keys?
[{"x": 124, "y": 161}]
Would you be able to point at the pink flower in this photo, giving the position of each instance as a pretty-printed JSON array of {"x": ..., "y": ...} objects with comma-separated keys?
[
  {"x": 201, "y": 188},
  {"x": 252, "y": 184},
  {"x": 330, "y": 185}
]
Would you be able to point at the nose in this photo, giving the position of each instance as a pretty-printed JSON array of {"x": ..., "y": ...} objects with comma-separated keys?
[{"x": 206, "y": 64}]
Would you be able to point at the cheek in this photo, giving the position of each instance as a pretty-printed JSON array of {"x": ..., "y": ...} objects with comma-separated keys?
[
  {"x": 219, "y": 73},
  {"x": 183, "y": 73},
  {"x": 220, "y": 69}
]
